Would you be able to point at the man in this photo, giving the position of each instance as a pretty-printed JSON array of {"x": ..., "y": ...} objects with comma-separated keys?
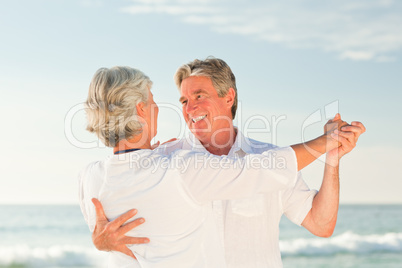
[{"x": 248, "y": 228}]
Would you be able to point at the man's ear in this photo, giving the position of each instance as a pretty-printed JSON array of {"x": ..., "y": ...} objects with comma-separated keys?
[{"x": 230, "y": 97}]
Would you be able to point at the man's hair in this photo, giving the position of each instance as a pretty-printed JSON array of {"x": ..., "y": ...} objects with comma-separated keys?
[
  {"x": 216, "y": 69},
  {"x": 111, "y": 105}
]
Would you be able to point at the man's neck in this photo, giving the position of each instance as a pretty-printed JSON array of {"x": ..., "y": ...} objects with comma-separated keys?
[{"x": 222, "y": 143}]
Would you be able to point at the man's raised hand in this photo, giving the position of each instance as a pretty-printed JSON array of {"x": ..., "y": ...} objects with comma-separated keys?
[{"x": 347, "y": 136}]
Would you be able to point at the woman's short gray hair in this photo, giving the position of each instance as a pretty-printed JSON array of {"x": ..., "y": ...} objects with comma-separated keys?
[
  {"x": 111, "y": 105},
  {"x": 219, "y": 71}
]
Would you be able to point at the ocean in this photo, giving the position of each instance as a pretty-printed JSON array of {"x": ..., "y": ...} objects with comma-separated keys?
[{"x": 57, "y": 236}]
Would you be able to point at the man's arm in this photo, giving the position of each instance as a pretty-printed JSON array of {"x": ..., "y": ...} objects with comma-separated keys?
[
  {"x": 105, "y": 240},
  {"x": 308, "y": 152},
  {"x": 321, "y": 219}
]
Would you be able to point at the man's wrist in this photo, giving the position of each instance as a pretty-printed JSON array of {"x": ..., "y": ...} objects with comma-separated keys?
[
  {"x": 332, "y": 160},
  {"x": 317, "y": 145},
  {"x": 330, "y": 143}
]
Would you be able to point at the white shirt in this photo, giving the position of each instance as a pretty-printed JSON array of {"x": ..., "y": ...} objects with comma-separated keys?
[
  {"x": 174, "y": 194},
  {"x": 249, "y": 228}
]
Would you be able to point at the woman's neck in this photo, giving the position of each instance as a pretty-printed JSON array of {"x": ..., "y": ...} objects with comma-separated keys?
[{"x": 136, "y": 142}]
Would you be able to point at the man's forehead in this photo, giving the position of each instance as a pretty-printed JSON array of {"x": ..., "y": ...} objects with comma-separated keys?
[
  {"x": 193, "y": 83},
  {"x": 197, "y": 80}
]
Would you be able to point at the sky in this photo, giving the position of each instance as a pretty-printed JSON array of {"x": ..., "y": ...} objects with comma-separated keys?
[{"x": 296, "y": 64}]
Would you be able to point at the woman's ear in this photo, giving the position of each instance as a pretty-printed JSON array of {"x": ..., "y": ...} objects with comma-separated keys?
[{"x": 140, "y": 109}]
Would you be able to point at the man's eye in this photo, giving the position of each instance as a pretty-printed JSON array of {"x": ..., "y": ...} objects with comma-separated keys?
[
  {"x": 183, "y": 102},
  {"x": 199, "y": 96}
]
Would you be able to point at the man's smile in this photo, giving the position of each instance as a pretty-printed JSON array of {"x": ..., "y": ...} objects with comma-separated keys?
[{"x": 198, "y": 118}]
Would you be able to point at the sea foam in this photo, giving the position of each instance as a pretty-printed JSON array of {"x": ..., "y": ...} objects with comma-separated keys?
[
  {"x": 347, "y": 242},
  {"x": 54, "y": 256},
  {"x": 80, "y": 256}
]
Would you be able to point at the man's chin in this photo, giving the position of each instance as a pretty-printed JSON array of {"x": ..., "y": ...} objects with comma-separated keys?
[{"x": 200, "y": 133}]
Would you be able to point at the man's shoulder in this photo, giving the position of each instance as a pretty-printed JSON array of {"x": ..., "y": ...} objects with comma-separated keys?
[
  {"x": 253, "y": 141},
  {"x": 172, "y": 146},
  {"x": 255, "y": 146}
]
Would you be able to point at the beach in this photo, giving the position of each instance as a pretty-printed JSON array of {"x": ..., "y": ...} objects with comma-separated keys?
[{"x": 57, "y": 236}]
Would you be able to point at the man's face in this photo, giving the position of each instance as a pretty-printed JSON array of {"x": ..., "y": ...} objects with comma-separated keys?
[{"x": 204, "y": 111}]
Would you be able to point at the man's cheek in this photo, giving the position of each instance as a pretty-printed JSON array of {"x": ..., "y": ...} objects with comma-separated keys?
[
  {"x": 185, "y": 116},
  {"x": 188, "y": 122}
]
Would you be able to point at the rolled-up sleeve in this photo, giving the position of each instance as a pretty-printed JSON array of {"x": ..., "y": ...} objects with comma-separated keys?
[{"x": 297, "y": 201}]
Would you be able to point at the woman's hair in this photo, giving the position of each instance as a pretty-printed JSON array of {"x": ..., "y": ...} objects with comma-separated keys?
[{"x": 111, "y": 105}]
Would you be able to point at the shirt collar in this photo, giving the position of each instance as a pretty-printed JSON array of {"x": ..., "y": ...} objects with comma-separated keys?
[
  {"x": 241, "y": 146},
  {"x": 192, "y": 143}
]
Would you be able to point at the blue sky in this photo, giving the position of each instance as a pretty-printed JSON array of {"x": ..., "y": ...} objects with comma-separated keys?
[{"x": 291, "y": 59}]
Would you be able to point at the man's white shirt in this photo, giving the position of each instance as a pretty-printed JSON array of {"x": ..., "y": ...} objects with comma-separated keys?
[
  {"x": 176, "y": 199},
  {"x": 249, "y": 227}
]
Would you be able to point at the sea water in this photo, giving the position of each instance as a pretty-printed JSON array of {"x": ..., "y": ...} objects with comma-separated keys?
[
  {"x": 366, "y": 236},
  {"x": 57, "y": 236}
]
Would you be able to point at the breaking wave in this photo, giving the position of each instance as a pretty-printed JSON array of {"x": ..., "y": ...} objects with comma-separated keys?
[
  {"x": 54, "y": 256},
  {"x": 347, "y": 242},
  {"x": 23, "y": 256}
]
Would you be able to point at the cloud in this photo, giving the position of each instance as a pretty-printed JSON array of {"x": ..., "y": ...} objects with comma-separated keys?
[
  {"x": 363, "y": 30},
  {"x": 357, "y": 55}
]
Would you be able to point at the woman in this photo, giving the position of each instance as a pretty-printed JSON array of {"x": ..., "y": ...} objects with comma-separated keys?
[{"x": 173, "y": 192}]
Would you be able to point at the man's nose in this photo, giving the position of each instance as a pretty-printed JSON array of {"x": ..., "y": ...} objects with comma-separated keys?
[{"x": 190, "y": 107}]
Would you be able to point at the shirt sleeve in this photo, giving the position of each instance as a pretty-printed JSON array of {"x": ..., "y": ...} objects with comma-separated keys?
[
  {"x": 87, "y": 189},
  {"x": 210, "y": 177},
  {"x": 298, "y": 200},
  {"x": 81, "y": 195}
]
